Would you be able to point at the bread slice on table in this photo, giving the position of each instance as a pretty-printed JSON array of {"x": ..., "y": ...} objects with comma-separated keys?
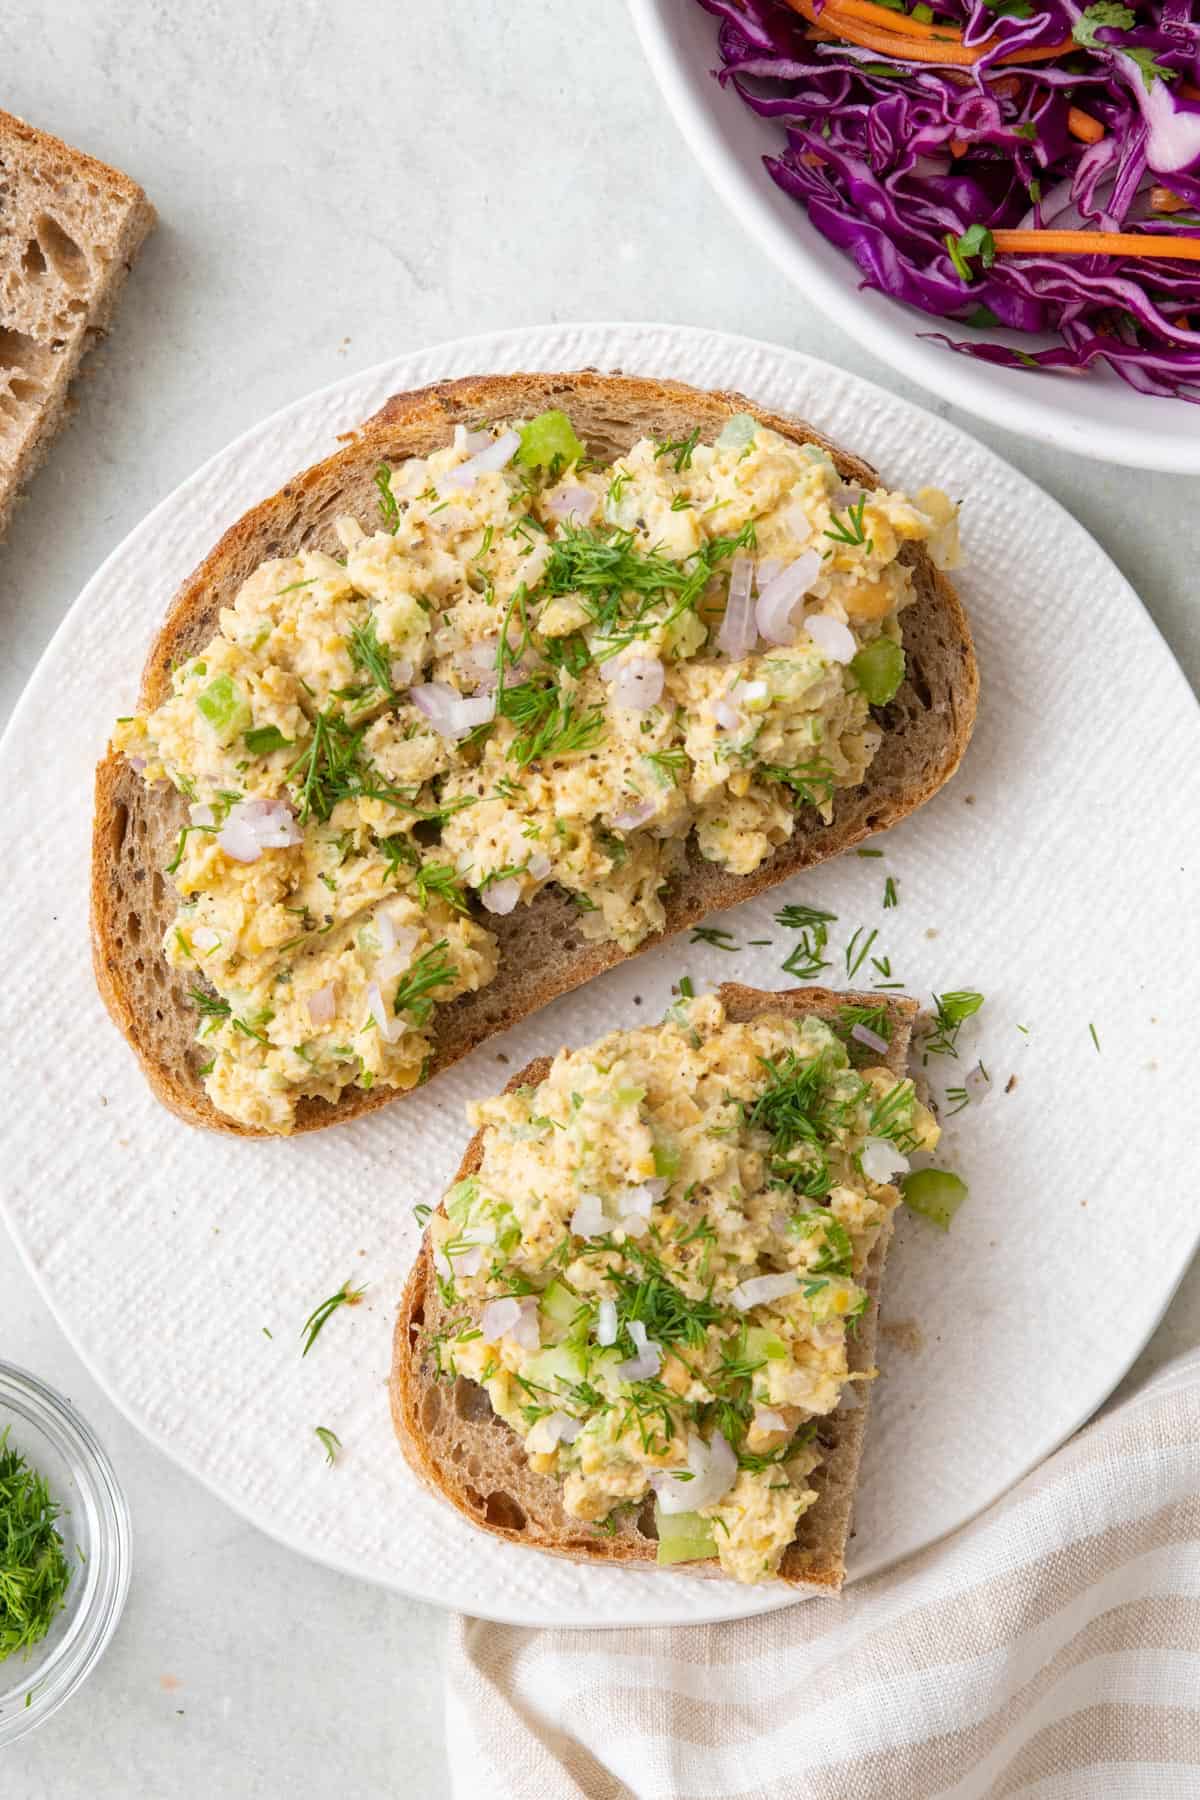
[
  {"x": 542, "y": 951},
  {"x": 70, "y": 228},
  {"x": 464, "y": 1453}
]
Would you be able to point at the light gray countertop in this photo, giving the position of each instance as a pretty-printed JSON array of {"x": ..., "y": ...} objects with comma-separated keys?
[{"x": 336, "y": 184}]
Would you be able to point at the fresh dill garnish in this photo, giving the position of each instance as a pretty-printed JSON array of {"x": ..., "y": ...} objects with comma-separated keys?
[
  {"x": 680, "y": 450},
  {"x": 890, "y": 896},
  {"x": 315, "y": 1322},
  {"x": 1095, "y": 1039},
  {"x": 668, "y": 765},
  {"x": 871, "y": 1018},
  {"x": 440, "y": 879},
  {"x": 332, "y": 767},
  {"x": 798, "y": 1113},
  {"x": 210, "y": 1006},
  {"x": 367, "y": 653},
  {"x": 807, "y": 959},
  {"x": 389, "y": 506},
  {"x": 856, "y": 954},
  {"x": 431, "y": 970},
  {"x": 547, "y": 722},
  {"x": 873, "y": 853},
  {"x": 811, "y": 782},
  {"x": 891, "y": 1116},
  {"x": 624, "y": 589},
  {"x": 798, "y": 917},
  {"x": 716, "y": 935},
  {"x": 330, "y": 1440},
  {"x": 651, "y": 1297},
  {"x": 850, "y": 529},
  {"x": 34, "y": 1572},
  {"x": 950, "y": 1013}
]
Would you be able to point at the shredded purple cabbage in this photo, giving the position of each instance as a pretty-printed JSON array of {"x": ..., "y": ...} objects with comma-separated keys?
[{"x": 866, "y": 151}]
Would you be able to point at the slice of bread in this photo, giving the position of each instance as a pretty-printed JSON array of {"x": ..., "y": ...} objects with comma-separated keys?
[
  {"x": 454, "y": 1442},
  {"x": 70, "y": 228},
  {"x": 542, "y": 952}
]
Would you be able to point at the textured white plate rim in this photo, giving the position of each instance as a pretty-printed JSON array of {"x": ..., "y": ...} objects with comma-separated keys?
[
  {"x": 885, "y": 333},
  {"x": 616, "y": 334}
]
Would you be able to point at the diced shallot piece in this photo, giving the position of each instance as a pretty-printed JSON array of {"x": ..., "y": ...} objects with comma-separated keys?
[
  {"x": 637, "y": 681},
  {"x": 760, "y": 1290},
  {"x": 494, "y": 455},
  {"x": 713, "y": 1468},
  {"x": 388, "y": 1024},
  {"x": 571, "y": 502},
  {"x": 634, "y": 815},
  {"x": 447, "y": 711},
  {"x": 779, "y": 599},
  {"x": 500, "y": 897},
  {"x": 833, "y": 639},
  {"x": 739, "y": 632},
  {"x": 322, "y": 1006},
  {"x": 881, "y": 1160},
  {"x": 862, "y": 1034}
]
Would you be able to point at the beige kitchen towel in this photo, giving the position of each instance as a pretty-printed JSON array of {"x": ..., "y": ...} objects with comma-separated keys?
[{"x": 1051, "y": 1648}]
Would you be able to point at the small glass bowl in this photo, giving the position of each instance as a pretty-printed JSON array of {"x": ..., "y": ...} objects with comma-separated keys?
[{"x": 94, "y": 1527}]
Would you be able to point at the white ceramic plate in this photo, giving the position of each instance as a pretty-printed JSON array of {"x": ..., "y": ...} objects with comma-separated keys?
[
  {"x": 1098, "y": 417},
  {"x": 1049, "y": 871}
]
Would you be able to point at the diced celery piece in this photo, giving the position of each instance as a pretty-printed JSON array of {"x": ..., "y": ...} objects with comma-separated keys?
[
  {"x": 683, "y": 1537},
  {"x": 737, "y": 432},
  {"x": 461, "y": 1197},
  {"x": 879, "y": 669},
  {"x": 762, "y": 1344},
  {"x": 667, "y": 1158},
  {"x": 934, "y": 1193},
  {"x": 548, "y": 436},
  {"x": 559, "y": 1304},
  {"x": 628, "y": 1096},
  {"x": 225, "y": 707},
  {"x": 559, "y": 1367}
]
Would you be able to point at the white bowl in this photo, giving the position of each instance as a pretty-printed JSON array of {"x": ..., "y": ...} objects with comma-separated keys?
[{"x": 1096, "y": 415}]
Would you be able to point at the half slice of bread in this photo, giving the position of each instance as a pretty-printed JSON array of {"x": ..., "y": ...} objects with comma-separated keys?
[
  {"x": 542, "y": 952},
  {"x": 70, "y": 228},
  {"x": 455, "y": 1443}
]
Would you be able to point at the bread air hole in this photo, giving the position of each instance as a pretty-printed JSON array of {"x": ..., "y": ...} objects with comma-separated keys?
[
  {"x": 502, "y": 1510},
  {"x": 61, "y": 251},
  {"x": 33, "y": 262},
  {"x": 18, "y": 350}
]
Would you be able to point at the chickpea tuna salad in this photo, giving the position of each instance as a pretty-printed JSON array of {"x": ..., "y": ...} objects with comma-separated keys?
[
  {"x": 656, "y": 1268},
  {"x": 535, "y": 670}
]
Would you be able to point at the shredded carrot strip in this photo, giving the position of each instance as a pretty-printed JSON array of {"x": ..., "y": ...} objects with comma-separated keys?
[
  {"x": 1082, "y": 125},
  {"x": 958, "y": 146},
  {"x": 1097, "y": 243},
  {"x": 1188, "y": 90},
  {"x": 909, "y": 40},
  {"x": 1164, "y": 201},
  {"x": 895, "y": 24}
]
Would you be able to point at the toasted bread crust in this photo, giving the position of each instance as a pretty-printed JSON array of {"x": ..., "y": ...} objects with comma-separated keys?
[
  {"x": 462, "y": 1452},
  {"x": 927, "y": 727}
]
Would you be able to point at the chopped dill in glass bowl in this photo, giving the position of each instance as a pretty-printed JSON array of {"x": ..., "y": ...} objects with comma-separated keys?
[{"x": 64, "y": 1551}]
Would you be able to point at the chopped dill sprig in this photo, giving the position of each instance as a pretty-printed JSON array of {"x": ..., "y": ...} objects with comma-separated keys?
[
  {"x": 34, "y": 1572},
  {"x": 716, "y": 935},
  {"x": 331, "y": 1441},
  {"x": 316, "y": 1320}
]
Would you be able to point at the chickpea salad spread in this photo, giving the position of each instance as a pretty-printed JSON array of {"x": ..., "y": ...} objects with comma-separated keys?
[
  {"x": 655, "y": 1270},
  {"x": 535, "y": 670}
]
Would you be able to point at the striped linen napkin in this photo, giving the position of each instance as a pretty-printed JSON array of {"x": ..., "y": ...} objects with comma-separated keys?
[{"x": 1051, "y": 1648}]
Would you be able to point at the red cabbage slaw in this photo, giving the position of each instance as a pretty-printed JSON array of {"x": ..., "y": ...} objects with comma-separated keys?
[{"x": 1045, "y": 118}]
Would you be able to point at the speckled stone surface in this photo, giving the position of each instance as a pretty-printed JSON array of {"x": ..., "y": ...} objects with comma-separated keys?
[{"x": 329, "y": 196}]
